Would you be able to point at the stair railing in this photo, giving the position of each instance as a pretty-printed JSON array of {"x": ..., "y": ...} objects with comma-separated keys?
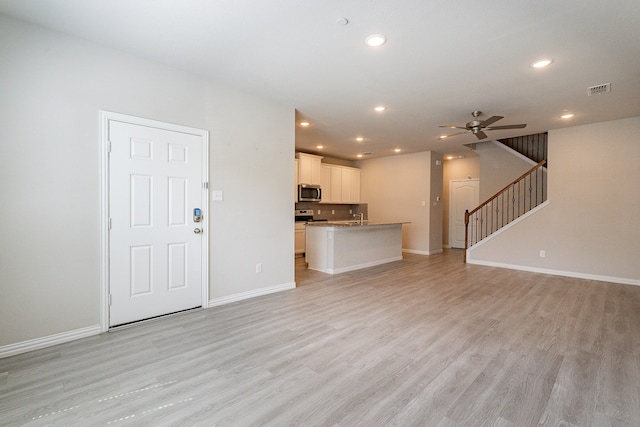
[{"x": 514, "y": 200}]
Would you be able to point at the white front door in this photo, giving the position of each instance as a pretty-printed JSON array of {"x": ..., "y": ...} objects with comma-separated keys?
[
  {"x": 155, "y": 245},
  {"x": 463, "y": 196}
]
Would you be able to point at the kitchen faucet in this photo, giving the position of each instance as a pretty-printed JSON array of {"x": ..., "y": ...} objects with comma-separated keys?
[{"x": 361, "y": 214}]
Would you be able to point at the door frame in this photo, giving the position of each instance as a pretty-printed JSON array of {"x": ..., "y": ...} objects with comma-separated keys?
[
  {"x": 452, "y": 222},
  {"x": 105, "y": 118}
]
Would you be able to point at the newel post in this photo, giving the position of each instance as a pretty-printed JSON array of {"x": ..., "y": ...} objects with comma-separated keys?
[{"x": 466, "y": 233}]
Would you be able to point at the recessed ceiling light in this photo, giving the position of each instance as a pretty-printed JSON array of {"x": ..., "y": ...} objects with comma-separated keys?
[
  {"x": 541, "y": 63},
  {"x": 449, "y": 157},
  {"x": 397, "y": 150},
  {"x": 304, "y": 124},
  {"x": 319, "y": 147},
  {"x": 443, "y": 136},
  {"x": 375, "y": 40},
  {"x": 359, "y": 155},
  {"x": 380, "y": 108},
  {"x": 359, "y": 139},
  {"x": 567, "y": 115}
]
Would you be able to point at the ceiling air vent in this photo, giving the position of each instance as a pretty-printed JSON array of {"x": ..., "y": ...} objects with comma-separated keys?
[{"x": 599, "y": 89}]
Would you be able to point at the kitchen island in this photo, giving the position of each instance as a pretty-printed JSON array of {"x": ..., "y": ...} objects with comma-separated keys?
[{"x": 337, "y": 247}]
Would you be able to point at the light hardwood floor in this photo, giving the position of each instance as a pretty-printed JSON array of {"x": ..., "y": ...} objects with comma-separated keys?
[{"x": 427, "y": 341}]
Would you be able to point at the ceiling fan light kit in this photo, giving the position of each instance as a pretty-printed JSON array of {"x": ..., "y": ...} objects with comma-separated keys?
[{"x": 477, "y": 127}]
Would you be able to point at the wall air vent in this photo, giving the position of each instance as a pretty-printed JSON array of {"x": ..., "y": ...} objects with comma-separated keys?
[{"x": 599, "y": 89}]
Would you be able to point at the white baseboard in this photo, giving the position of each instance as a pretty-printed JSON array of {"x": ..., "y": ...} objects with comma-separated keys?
[
  {"x": 600, "y": 278},
  {"x": 251, "y": 294},
  {"x": 51, "y": 340},
  {"x": 38, "y": 343},
  {"x": 414, "y": 251},
  {"x": 360, "y": 266}
]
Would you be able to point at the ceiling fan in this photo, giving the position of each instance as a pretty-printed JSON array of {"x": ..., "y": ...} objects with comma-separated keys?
[{"x": 477, "y": 127}]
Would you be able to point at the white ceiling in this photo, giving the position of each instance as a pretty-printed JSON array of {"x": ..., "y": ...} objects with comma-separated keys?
[{"x": 443, "y": 59}]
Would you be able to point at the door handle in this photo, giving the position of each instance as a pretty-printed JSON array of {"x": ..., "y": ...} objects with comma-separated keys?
[{"x": 197, "y": 230}]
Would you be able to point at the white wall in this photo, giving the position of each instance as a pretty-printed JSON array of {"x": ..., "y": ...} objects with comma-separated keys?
[
  {"x": 498, "y": 167},
  {"x": 253, "y": 166},
  {"x": 590, "y": 227},
  {"x": 52, "y": 88},
  {"x": 395, "y": 188}
]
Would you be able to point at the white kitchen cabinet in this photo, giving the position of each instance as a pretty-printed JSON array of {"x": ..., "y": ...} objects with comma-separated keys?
[
  {"x": 336, "y": 184},
  {"x": 350, "y": 185},
  {"x": 310, "y": 166},
  {"x": 346, "y": 186},
  {"x": 340, "y": 184},
  {"x": 300, "y": 238},
  {"x": 325, "y": 183}
]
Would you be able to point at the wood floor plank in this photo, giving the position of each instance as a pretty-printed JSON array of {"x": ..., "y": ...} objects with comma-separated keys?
[
  {"x": 574, "y": 396},
  {"x": 617, "y": 397},
  {"x": 533, "y": 385},
  {"x": 426, "y": 341}
]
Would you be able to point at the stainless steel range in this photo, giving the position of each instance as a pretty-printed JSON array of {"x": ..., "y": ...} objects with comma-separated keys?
[{"x": 303, "y": 215}]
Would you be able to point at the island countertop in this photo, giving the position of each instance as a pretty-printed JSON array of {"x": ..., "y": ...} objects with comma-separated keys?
[{"x": 352, "y": 223}]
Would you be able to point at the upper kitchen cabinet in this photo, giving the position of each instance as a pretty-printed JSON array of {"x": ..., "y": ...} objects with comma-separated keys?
[
  {"x": 309, "y": 168},
  {"x": 340, "y": 184},
  {"x": 350, "y": 185},
  {"x": 325, "y": 183}
]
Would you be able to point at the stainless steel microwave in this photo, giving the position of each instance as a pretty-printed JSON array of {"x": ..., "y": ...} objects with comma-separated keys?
[{"x": 309, "y": 193}]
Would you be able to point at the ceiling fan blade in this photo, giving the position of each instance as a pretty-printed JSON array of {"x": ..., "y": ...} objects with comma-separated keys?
[
  {"x": 490, "y": 120},
  {"x": 480, "y": 135},
  {"x": 520, "y": 126},
  {"x": 451, "y": 127},
  {"x": 449, "y": 136}
]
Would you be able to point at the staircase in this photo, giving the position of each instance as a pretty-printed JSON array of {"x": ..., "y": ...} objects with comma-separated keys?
[
  {"x": 514, "y": 200},
  {"x": 532, "y": 146}
]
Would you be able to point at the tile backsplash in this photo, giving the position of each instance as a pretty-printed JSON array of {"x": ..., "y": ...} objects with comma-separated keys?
[{"x": 331, "y": 212}]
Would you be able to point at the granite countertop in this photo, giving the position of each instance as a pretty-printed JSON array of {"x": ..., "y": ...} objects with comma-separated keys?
[{"x": 351, "y": 223}]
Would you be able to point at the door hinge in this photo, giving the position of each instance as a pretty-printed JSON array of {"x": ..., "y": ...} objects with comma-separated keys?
[
  {"x": 205, "y": 185},
  {"x": 109, "y": 224},
  {"x": 108, "y": 146}
]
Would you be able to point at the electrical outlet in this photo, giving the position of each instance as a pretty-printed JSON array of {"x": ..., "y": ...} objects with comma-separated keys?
[
  {"x": 333, "y": 212},
  {"x": 258, "y": 268},
  {"x": 543, "y": 254}
]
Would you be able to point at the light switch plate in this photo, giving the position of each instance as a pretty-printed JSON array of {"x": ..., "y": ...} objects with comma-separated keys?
[{"x": 216, "y": 195}]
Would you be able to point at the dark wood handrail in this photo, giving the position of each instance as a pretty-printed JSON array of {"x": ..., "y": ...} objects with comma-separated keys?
[
  {"x": 515, "y": 181},
  {"x": 467, "y": 214}
]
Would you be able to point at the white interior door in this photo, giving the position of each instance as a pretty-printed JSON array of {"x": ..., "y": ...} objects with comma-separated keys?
[
  {"x": 464, "y": 195},
  {"x": 155, "y": 246}
]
